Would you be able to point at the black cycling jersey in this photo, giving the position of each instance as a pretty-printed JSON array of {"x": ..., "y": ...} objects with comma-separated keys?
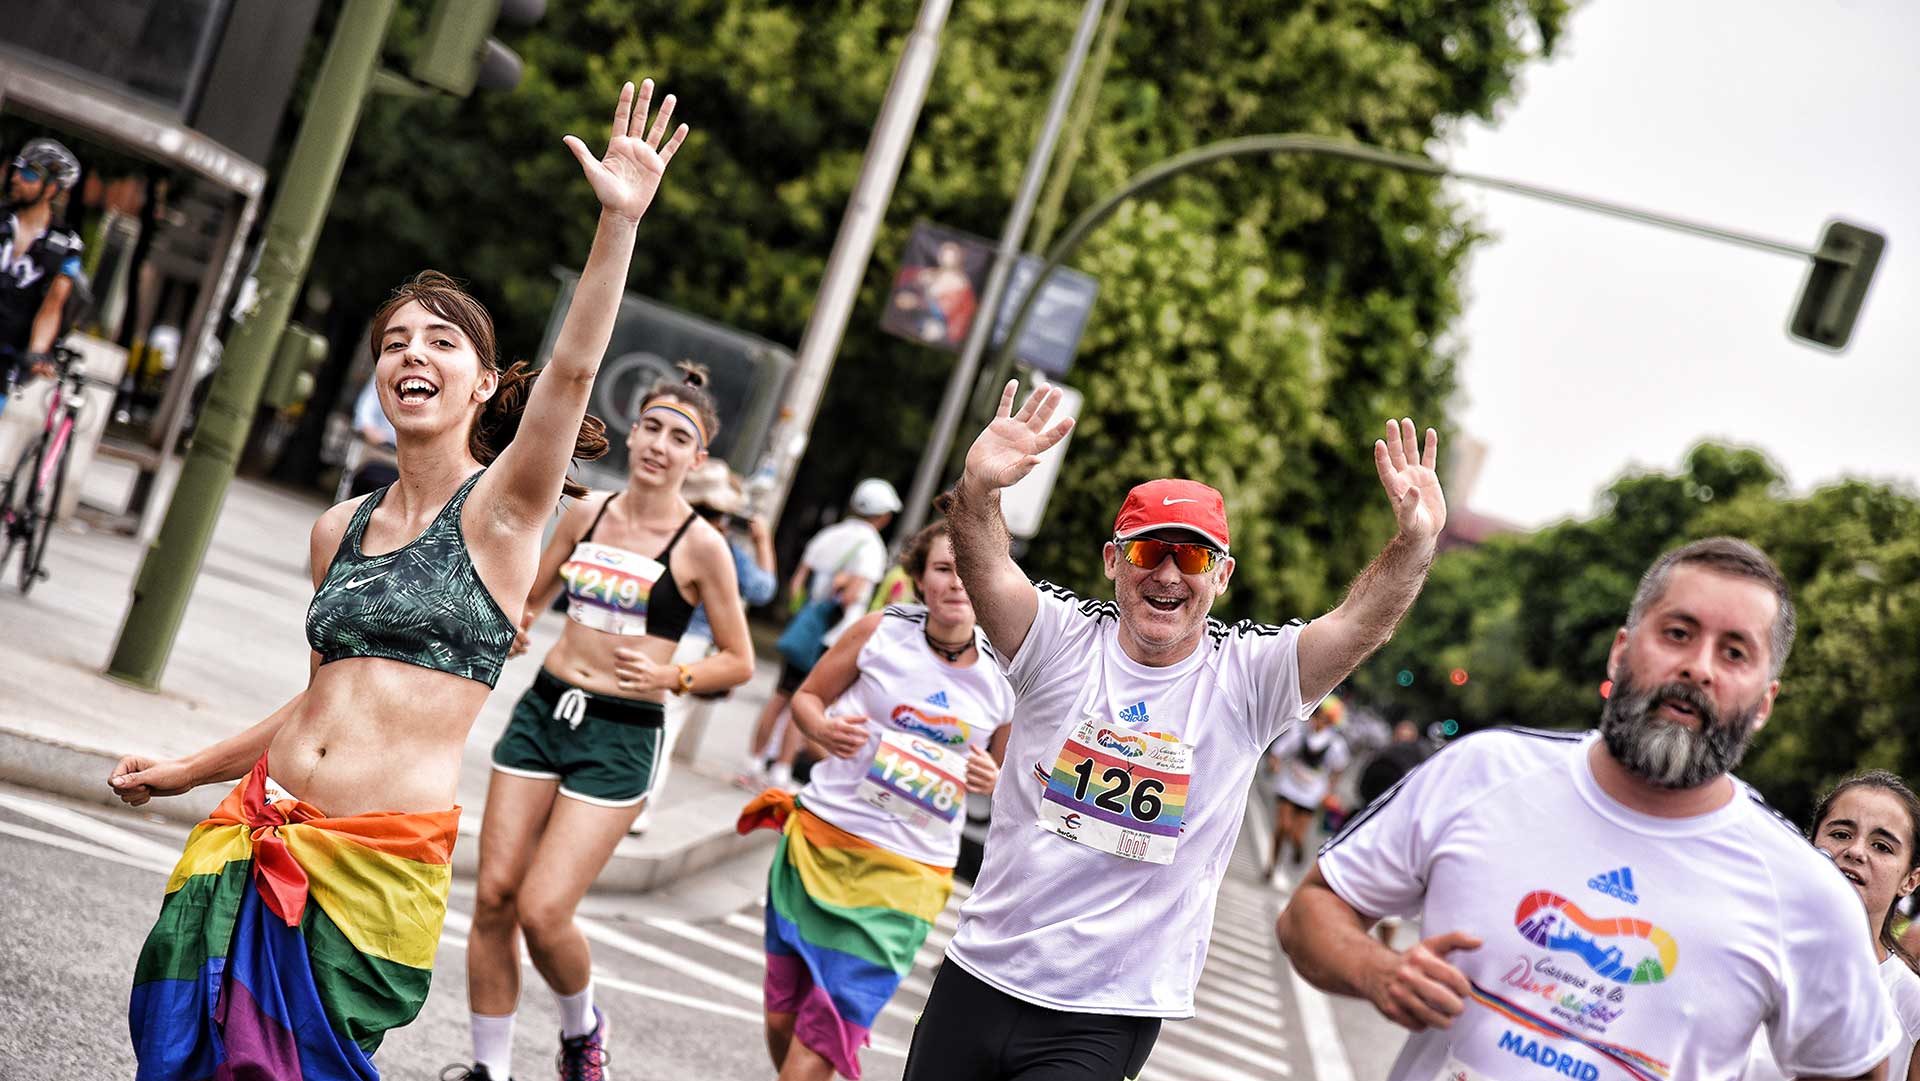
[{"x": 26, "y": 276}]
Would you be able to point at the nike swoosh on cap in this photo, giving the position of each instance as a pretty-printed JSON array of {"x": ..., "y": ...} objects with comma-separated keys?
[{"x": 1170, "y": 502}]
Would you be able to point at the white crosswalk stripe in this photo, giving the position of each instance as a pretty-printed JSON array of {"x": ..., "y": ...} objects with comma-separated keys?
[{"x": 1239, "y": 1033}]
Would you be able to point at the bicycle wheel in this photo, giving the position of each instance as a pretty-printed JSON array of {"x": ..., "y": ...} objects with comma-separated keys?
[
  {"x": 13, "y": 500},
  {"x": 41, "y": 524}
]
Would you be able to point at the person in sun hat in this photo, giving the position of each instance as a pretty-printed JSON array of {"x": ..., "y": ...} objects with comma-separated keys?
[{"x": 1138, "y": 726}]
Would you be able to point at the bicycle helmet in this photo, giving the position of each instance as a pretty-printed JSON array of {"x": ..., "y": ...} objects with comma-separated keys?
[{"x": 51, "y": 160}]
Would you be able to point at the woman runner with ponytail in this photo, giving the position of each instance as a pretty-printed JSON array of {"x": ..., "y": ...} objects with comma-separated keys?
[
  {"x": 1869, "y": 826},
  {"x": 579, "y": 758},
  {"x": 301, "y": 921}
]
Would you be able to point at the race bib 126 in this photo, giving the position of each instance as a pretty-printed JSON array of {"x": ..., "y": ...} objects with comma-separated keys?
[
  {"x": 1119, "y": 791},
  {"x": 916, "y": 780}
]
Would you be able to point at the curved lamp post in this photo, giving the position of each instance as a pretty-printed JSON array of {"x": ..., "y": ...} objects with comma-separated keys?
[{"x": 1843, "y": 264}]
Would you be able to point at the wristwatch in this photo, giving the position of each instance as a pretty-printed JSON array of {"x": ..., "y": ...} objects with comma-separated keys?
[{"x": 686, "y": 679}]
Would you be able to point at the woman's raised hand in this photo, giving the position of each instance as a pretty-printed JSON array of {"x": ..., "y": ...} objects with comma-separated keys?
[{"x": 626, "y": 178}]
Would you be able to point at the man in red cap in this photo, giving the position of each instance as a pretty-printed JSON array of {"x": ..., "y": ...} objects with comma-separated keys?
[{"x": 1137, "y": 728}]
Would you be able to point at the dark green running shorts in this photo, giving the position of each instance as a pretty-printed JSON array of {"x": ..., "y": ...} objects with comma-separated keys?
[{"x": 603, "y": 750}]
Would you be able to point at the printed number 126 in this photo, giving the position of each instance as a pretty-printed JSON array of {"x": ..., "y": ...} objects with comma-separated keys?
[{"x": 1145, "y": 806}]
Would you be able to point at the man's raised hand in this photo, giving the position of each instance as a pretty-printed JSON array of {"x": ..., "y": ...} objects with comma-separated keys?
[
  {"x": 1407, "y": 474},
  {"x": 1010, "y": 446},
  {"x": 626, "y": 179}
]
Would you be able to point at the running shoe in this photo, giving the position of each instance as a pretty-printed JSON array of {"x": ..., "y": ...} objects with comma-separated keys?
[
  {"x": 584, "y": 1058},
  {"x": 462, "y": 1072}
]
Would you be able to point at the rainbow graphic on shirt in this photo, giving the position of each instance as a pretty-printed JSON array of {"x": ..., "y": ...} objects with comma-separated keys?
[
  {"x": 951, "y": 731},
  {"x": 1552, "y": 922},
  {"x": 1638, "y": 1064}
]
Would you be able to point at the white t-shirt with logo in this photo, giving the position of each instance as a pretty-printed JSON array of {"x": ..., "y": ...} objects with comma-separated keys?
[
  {"x": 1308, "y": 758},
  {"x": 919, "y": 705},
  {"x": 1070, "y": 927},
  {"x": 1617, "y": 944},
  {"x": 850, "y": 547}
]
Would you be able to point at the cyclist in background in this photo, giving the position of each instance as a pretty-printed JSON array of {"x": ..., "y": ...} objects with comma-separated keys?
[{"x": 39, "y": 261}]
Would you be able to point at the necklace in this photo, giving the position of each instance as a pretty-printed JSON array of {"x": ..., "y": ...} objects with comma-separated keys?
[{"x": 951, "y": 653}]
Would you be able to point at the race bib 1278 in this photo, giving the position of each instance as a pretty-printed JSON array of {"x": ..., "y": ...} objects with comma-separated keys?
[
  {"x": 1119, "y": 791},
  {"x": 916, "y": 780}
]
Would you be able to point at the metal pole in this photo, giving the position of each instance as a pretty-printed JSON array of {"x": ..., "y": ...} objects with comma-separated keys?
[
  {"x": 165, "y": 582},
  {"x": 1320, "y": 146},
  {"x": 847, "y": 264},
  {"x": 960, "y": 384}
]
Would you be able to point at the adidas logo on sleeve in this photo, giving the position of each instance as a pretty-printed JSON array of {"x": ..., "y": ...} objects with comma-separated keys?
[{"x": 1617, "y": 883}]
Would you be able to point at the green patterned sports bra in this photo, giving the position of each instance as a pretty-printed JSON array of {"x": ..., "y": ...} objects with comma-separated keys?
[{"x": 422, "y": 603}]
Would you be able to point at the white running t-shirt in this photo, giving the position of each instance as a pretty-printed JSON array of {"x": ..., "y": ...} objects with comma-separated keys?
[
  {"x": 1618, "y": 945},
  {"x": 919, "y": 705},
  {"x": 1308, "y": 758},
  {"x": 1903, "y": 990},
  {"x": 1070, "y": 927}
]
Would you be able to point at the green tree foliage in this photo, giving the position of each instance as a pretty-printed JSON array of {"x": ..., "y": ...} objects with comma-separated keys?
[
  {"x": 1531, "y": 618},
  {"x": 1256, "y": 324}
]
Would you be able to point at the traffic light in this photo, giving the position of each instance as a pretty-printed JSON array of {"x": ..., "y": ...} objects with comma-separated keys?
[
  {"x": 1836, "y": 287},
  {"x": 457, "y": 54}
]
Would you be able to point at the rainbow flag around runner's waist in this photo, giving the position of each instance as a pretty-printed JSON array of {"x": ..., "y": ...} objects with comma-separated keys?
[
  {"x": 845, "y": 918},
  {"x": 288, "y": 942}
]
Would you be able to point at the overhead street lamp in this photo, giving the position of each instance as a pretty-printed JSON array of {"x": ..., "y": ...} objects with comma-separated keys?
[{"x": 1825, "y": 314}]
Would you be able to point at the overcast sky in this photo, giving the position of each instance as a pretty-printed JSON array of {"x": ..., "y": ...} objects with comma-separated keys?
[{"x": 1595, "y": 344}]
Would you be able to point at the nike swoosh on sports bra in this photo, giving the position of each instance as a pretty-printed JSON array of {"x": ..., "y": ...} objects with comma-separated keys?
[
  {"x": 623, "y": 592},
  {"x": 422, "y": 603}
]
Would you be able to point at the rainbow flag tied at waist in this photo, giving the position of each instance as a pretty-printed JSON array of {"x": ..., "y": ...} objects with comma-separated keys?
[
  {"x": 845, "y": 918},
  {"x": 289, "y": 942}
]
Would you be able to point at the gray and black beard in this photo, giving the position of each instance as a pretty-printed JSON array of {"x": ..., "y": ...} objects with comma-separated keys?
[{"x": 1666, "y": 754}]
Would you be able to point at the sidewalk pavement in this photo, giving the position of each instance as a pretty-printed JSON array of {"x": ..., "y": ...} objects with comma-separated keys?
[{"x": 242, "y": 653}]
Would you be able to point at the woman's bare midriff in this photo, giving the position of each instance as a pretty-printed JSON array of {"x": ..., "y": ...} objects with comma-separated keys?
[
  {"x": 585, "y": 658},
  {"x": 377, "y": 735}
]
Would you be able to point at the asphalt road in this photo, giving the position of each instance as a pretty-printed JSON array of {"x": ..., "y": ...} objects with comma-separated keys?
[{"x": 679, "y": 972}]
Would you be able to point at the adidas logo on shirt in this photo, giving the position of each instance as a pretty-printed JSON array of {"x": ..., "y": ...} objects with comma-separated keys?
[
  {"x": 1616, "y": 884},
  {"x": 938, "y": 698},
  {"x": 1134, "y": 714}
]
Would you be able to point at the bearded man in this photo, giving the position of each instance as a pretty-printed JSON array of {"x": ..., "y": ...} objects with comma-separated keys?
[{"x": 1610, "y": 904}]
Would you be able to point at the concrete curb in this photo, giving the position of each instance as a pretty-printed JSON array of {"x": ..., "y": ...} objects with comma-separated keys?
[{"x": 79, "y": 773}]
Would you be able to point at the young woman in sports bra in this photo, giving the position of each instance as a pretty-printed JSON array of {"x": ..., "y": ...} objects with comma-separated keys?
[
  {"x": 578, "y": 760},
  {"x": 303, "y": 917}
]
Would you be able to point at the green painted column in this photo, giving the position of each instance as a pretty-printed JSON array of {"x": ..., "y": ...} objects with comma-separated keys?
[{"x": 307, "y": 184}]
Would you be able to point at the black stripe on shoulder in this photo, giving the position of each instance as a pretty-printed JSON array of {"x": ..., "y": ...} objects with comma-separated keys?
[
  {"x": 1248, "y": 628},
  {"x": 910, "y": 613},
  {"x": 1367, "y": 812},
  {"x": 1774, "y": 813},
  {"x": 1059, "y": 591},
  {"x": 1556, "y": 735}
]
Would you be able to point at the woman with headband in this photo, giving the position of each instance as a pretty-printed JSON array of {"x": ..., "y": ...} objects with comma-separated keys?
[{"x": 579, "y": 757}]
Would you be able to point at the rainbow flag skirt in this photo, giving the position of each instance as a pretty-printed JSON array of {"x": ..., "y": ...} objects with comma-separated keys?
[
  {"x": 289, "y": 942},
  {"x": 845, "y": 918}
]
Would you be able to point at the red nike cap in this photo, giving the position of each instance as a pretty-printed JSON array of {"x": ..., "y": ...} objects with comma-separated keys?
[{"x": 1173, "y": 504}]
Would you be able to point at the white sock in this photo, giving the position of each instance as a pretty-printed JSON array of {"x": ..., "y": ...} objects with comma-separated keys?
[
  {"x": 780, "y": 775},
  {"x": 493, "y": 1044},
  {"x": 576, "y": 1012}
]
